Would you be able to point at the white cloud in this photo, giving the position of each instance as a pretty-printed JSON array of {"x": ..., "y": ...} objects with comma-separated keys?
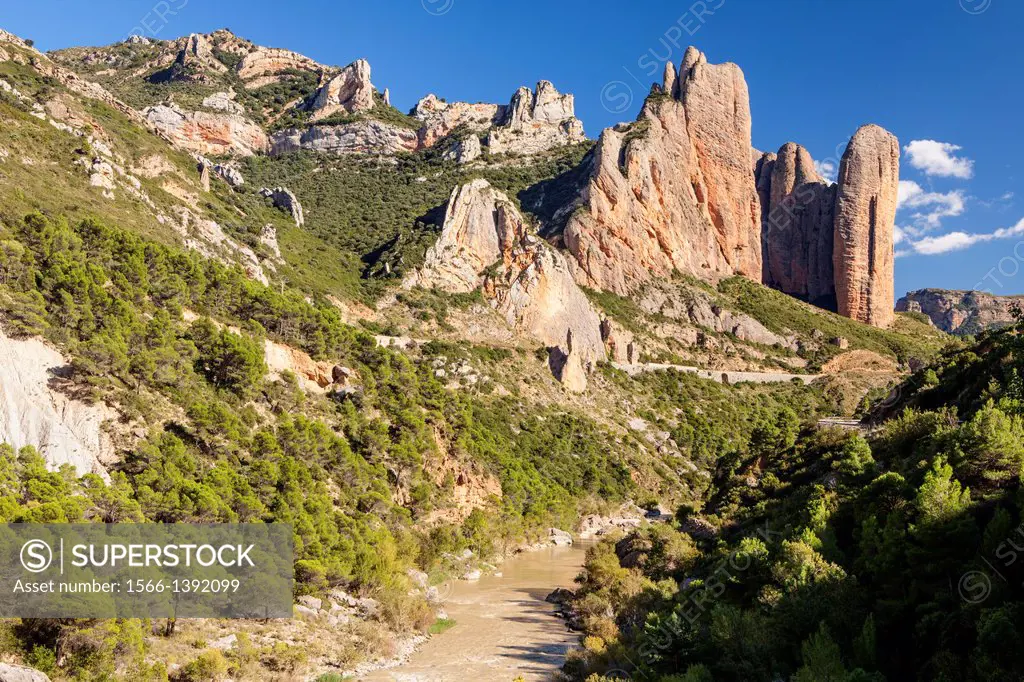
[
  {"x": 932, "y": 206},
  {"x": 938, "y": 158},
  {"x": 899, "y": 234},
  {"x": 956, "y": 241},
  {"x": 826, "y": 169},
  {"x": 953, "y": 241}
]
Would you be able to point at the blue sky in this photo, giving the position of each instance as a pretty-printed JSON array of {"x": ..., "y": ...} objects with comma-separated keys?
[{"x": 943, "y": 75}]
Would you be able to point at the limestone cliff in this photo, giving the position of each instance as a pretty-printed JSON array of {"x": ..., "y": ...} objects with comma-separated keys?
[
  {"x": 32, "y": 412},
  {"x": 350, "y": 91},
  {"x": 673, "y": 191},
  {"x": 485, "y": 243},
  {"x": 961, "y": 312},
  {"x": 207, "y": 133}
]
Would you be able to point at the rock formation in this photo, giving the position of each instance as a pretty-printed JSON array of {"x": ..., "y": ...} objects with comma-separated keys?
[
  {"x": 673, "y": 191},
  {"x": 961, "y": 312},
  {"x": 536, "y": 121},
  {"x": 367, "y": 136},
  {"x": 207, "y": 133},
  {"x": 485, "y": 244},
  {"x": 350, "y": 91},
  {"x": 197, "y": 55},
  {"x": 796, "y": 226},
  {"x": 440, "y": 118},
  {"x": 465, "y": 150},
  {"x": 285, "y": 199},
  {"x": 865, "y": 214},
  {"x": 65, "y": 431},
  {"x": 264, "y": 65}
]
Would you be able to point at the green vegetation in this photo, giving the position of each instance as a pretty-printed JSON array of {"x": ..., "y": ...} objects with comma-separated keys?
[
  {"x": 441, "y": 626},
  {"x": 228, "y": 445},
  {"x": 829, "y": 556},
  {"x": 909, "y": 338},
  {"x": 383, "y": 215}
]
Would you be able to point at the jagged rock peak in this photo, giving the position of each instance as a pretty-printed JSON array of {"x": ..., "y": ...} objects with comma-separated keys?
[
  {"x": 673, "y": 191},
  {"x": 537, "y": 120},
  {"x": 865, "y": 215},
  {"x": 350, "y": 90},
  {"x": 198, "y": 53},
  {"x": 545, "y": 104}
]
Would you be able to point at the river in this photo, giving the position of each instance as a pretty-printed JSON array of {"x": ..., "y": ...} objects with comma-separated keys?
[{"x": 503, "y": 629}]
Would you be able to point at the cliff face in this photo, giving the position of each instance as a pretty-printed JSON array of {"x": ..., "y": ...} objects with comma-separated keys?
[
  {"x": 796, "y": 226},
  {"x": 865, "y": 216},
  {"x": 961, "y": 312},
  {"x": 485, "y": 244},
  {"x": 674, "y": 191}
]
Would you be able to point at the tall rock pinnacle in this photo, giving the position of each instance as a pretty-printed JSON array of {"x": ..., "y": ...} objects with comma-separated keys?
[
  {"x": 796, "y": 226},
  {"x": 865, "y": 215}
]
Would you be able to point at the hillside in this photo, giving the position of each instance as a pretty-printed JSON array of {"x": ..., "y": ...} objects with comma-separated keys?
[
  {"x": 239, "y": 286},
  {"x": 823, "y": 554}
]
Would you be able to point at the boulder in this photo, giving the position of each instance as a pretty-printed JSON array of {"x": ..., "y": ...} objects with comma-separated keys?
[
  {"x": 560, "y": 596},
  {"x": 865, "y": 215},
  {"x": 560, "y": 538},
  {"x": 21, "y": 673}
]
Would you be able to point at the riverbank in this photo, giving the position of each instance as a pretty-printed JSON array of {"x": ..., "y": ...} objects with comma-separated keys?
[{"x": 503, "y": 629}]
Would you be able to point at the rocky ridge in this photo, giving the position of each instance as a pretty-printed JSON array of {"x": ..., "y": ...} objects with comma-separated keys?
[{"x": 961, "y": 312}]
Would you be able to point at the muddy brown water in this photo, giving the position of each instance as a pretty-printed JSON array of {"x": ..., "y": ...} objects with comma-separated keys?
[{"x": 504, "y": 628}]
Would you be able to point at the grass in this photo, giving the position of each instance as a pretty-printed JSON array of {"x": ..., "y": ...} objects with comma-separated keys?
[{"x": 441, "y": 625}]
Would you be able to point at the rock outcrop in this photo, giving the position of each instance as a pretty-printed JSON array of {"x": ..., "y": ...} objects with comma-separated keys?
[
  {"x": 207, "y": 133},
  {"x": 464, "y": 151},
  {"x": 367, "y": 136},
  {"x": 284, "y": 198},
  {"x": 796, "y": 226},
  {"x": 485, "y": 243},
  {"x": 197, "y": 56},
  {"x": 20, "y": 673},
  {"x": 865, "y": 215},
  {"x": 32, "y": 412},
  {"x": 962, "y": 312},
  {"x": 673, "y": 191},
  {"x": 441, "y": 118},
  {"x": 536, "y": 121},
  {"x": 350, "y": 91},
  {"x": 313, "y": 376},
  {"x": 264, "y": 65}
]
